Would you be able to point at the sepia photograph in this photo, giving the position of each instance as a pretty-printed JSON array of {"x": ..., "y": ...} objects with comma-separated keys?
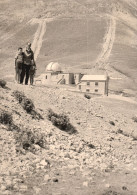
[{"x": 68, "y": 97}]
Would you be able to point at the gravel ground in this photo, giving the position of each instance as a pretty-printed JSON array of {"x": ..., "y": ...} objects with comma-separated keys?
[{"x": 100, "y": 159}]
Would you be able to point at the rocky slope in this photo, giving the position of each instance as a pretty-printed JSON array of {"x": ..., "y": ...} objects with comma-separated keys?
[
  {"x": 100, "y": 159},
  {"x": 98, "y": 35}
]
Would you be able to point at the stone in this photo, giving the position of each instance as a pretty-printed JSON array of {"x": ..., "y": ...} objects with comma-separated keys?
[
  {"x": 37, "y": 147},
  {"x": 3, "y": 188},
  {"x": 37, "y": 190},
  {"x": 1, "y": 180},
  {"x": 43, "y": 163},
  {"x": 23, "y": 187},
  {"x": 15, "y": 187},
  {"x": 124, "y": 188},
  {"x": 67, "y": 155},
  {"x": 107, "y": 185},
  {"x": 8, "y": 182},
  {"x": 46, "y": 178},
  {"x": 85, "y": 183},
  {"x": 55, "y": 179},
  {"x": 6, "y": 192}
]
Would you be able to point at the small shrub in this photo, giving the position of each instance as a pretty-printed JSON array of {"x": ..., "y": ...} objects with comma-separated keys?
[
  {"x": 112, "y": 123},
  {"x": 39, "y": 139},
  {"x": 19, "y": 96},
  {"x": 27, "y": 138},
  {"x": 13, "y": 127},
  {"x": 36, "y": 115},
  {"x": 5, "y": 117},
  {"x": 61, "y": 121},
  {"x": 2, "y": 83},
  {"x": 27, "y": 104},
  {"x": 87, "y": 96},
  {"x": 51, "y": 113}
]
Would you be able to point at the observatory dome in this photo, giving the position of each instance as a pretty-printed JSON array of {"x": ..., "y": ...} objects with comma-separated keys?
[{"x": 53, "y": 67}]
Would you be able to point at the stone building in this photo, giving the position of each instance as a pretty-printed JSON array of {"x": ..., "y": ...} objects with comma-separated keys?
[
  {"x": 54, "y": 75},
  {"x": 96, "y": 84}
]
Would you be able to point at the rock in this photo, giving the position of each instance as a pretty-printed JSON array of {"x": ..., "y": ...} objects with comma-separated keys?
[
  {"x": 23, "y": 187},
  {"x": 36, "y": 147},
  {"x": 1, "y": 180},
  {"x": 15, "y": 187},
  {"x": 55, "y": 179},
  {"x": 8, "y": 182},
  {"x": 3, "y": 188},
  {"x": 71, "y": 167},
  {"x": 107, "y": 185},
  {"x": 43, "y": 163},
  {"x": 127, "y": 161},
  {"x": 37, "y": 190},
  {"x": 46, "y": 178},
  {"x": 124, "y": 188},
  {"x": 72, "y": 172},
  {"x": 67, "y": 155},
  {"x": 6, "y": 192},
  {"x": 85, "y": 184},
  {"x": 37, "y": 160}
]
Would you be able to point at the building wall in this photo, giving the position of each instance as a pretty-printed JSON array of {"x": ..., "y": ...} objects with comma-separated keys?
[
  {"x": 58, "y": 78},
  {"x": 65, "y": 77},
  {"x": 96, "y": 87},
  {"x": 77, "y": 77},
  {"x": 47, "y": 78}
]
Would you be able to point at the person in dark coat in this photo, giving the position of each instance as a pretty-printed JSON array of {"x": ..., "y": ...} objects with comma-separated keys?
[
  {"x": 19, "y": 60},
  {"x": 28, "y": 61}
]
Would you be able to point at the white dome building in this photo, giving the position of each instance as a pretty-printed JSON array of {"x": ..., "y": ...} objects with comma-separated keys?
[
  {"x": 53, "y": 67},
  {"x": 54, "y": 75}
]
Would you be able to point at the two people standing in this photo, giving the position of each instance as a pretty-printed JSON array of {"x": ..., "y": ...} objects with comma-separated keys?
[{"x": 25, "y": 66}]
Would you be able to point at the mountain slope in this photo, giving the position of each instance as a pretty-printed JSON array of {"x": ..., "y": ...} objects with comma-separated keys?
[{"x": 99, "y": 159}]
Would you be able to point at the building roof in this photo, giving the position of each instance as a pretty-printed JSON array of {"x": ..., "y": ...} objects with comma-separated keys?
[
  {"x": 94, "y": 78},
  {"x": 54, "y": 67}
]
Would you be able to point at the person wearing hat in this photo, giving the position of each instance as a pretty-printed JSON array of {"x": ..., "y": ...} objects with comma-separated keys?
[{"x": 28, "y": 61}]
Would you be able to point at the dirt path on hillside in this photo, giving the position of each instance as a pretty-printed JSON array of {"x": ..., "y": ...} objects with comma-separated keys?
[
  {"x": 38, "y": 37},
  {"x": 108, "y": 44}
]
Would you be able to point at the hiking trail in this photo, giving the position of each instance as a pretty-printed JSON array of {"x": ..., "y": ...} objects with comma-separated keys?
[
  {"x": 108, "y": 44},
  {"x": 39, "y": 34}
]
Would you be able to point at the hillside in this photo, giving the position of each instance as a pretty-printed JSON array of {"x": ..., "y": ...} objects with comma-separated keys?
[{"x": 100, "y": 159}]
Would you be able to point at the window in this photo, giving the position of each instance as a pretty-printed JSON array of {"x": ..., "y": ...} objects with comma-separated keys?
[
  {"x": 46, "y": 76},
  {"x": 88, "y": 83},
  {"x": 79, "y": 86},
  {"x": 96, "y": 83},
  {"x": 96, "y": 90},
  {"x": 87, "y": 90}
]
